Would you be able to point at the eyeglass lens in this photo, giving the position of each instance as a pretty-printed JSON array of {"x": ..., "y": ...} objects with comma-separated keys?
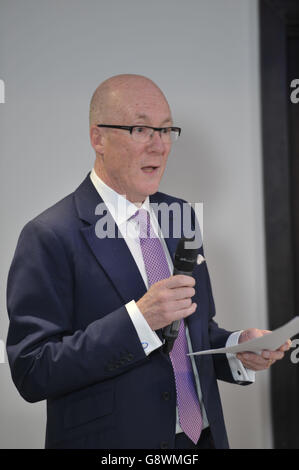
[{"x": 142, "y": 134}]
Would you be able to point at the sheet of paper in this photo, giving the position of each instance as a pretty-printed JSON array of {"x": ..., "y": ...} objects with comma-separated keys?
[{"x": 271, "y": 341}]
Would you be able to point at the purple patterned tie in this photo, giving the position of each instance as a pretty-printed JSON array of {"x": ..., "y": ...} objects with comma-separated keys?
[{"x": 156, "y": 267}]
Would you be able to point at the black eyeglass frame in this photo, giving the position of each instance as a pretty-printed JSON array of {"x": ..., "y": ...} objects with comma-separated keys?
[{"x": 130, "y": 128}]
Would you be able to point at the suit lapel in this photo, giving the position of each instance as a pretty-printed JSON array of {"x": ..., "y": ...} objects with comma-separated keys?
[
  {"x": 171, "y": 242},
  {"x": 111, "y": 253}
]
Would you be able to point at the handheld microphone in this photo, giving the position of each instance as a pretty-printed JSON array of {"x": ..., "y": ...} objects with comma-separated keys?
[{"x": 185, "y": 260}]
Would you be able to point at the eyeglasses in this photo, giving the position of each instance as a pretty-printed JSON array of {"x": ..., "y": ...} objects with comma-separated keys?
[{"x": 144, "y": 134}]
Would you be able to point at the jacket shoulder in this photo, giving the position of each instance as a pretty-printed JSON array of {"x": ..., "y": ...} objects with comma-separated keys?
[
  {"x": 58, "y": 216},
  {"x": 169, "y": 199}
]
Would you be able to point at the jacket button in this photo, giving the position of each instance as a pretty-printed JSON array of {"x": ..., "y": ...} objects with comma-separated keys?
[
  {"x": 166, "y": 396},
  {"x": 164, "y": 445},
  {"x": 130, "y": 357}
]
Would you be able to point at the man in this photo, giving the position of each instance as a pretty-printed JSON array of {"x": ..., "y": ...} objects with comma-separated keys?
[{"x": 87, "y": 313}]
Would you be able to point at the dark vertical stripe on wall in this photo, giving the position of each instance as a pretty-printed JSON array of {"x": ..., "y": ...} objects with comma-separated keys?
[{"x": 276, "y": 17}]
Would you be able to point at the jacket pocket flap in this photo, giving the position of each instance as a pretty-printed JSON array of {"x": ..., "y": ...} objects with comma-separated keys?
[{"x": 89, "y": 408}]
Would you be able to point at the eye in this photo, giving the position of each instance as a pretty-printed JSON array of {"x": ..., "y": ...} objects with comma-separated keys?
[
  {"x": 165, "y": 130},
  {"x": 140, "y": 130}
]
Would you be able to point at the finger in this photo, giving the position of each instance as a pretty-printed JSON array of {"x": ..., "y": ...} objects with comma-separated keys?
[
  {"x": 181, "y": 304},
  {"x": 183, "y": 293},
  {"x": 179, "y": 280},
  {"x": 252, "y": 358},
  {"x": 183, "y": 313},
  {"x": 286, "y": 346},
  {"x": 258, "y": 367},
  {"x": 252, "y": 366},
  {"x": 274, "y": 355},
  {"x": 254, "y": 361},
  {"x": 260, "y": 361}
]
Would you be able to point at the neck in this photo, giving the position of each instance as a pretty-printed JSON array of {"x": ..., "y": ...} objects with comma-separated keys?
[{"x": 104, "y": 178}]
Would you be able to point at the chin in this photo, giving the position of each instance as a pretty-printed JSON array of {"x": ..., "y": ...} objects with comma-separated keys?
[
  {"x": 150, "y": 190},
  {"x": 145, "y": 190}
]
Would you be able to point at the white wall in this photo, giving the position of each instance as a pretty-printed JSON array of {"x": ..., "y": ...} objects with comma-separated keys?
[{"x": 204, "y": 55}]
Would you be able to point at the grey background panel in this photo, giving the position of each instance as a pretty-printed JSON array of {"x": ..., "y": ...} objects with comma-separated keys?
[{"x": 204, "y": 56}]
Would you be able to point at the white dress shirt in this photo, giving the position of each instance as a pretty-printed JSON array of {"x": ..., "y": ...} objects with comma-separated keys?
[{"x": 122, "y": 210}]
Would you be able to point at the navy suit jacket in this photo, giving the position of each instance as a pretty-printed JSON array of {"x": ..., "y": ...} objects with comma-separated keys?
[{"x": 71, "y": 341}]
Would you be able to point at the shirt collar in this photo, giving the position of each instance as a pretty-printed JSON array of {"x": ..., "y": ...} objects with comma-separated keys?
[{"x": 121, "y": 209}]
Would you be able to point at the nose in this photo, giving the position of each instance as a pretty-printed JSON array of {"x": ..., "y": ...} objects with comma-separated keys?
[{"x": 156, "y": 143}]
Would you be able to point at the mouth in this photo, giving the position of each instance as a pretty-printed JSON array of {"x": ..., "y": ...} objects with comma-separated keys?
[{"x": 150, "y": 169}]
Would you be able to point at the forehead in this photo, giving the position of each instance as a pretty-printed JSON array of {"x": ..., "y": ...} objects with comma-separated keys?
[{"x": 145, "y": 105}]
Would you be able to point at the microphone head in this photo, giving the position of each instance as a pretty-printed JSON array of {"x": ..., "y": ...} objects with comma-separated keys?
[{"x": 185, "y": 259}]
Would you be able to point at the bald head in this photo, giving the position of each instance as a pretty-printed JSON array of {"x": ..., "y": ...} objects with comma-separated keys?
[
  {"x": 131, "y": 168},
  {"x": 114, "y": 95}
]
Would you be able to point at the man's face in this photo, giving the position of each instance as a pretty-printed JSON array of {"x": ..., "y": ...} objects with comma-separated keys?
[{"x": 131, "y": 168}]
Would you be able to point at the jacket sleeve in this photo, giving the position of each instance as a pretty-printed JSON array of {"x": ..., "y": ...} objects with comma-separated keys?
[{"x": 46, "y": 356}]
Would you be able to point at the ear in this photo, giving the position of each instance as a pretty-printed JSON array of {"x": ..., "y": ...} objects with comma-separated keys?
[{"x": 97, "y": 139}]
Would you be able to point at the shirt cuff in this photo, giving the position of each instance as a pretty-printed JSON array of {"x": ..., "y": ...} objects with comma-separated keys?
[
  {"x": 239, "y": 372},
  {"x": 148, "y": 338}
]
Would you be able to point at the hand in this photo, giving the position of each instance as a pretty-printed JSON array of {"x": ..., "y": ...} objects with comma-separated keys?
[
  {"x": 267, "y": 358},
  {"x": 168, "y": 300}
]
